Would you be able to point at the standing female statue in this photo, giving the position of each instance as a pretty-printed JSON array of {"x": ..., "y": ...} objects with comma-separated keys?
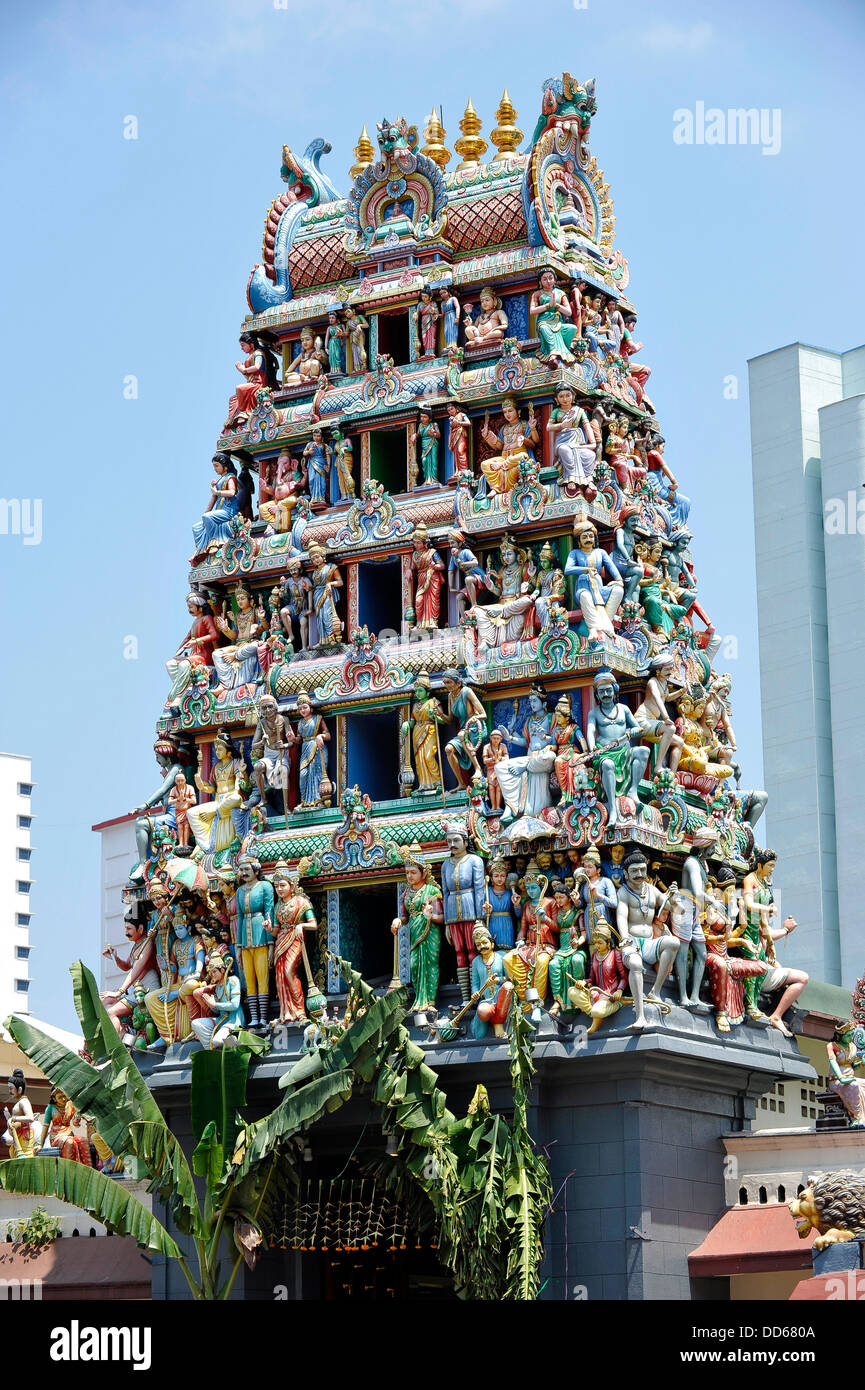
[
  {"x": 423, "y": 913},
  {"x": 294, "y": 916}
]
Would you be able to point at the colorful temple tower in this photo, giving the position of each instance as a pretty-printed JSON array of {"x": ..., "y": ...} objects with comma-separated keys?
[{"x": 447, "y": 706}]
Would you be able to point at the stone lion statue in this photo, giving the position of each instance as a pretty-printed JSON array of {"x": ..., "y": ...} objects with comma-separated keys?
[{"x": 833, "y": 1204}]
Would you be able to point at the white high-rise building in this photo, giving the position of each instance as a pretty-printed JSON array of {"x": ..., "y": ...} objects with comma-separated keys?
[
  {"x": 808, "y": 453},
  {"x": 16, "y": 817},
  {"x": 118, "y": 854}
]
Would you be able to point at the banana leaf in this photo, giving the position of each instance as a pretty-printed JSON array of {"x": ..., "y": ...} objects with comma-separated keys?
[
  {"x": 128, "y": 1088},
  {"x": 297, "y": 1111},
  {"x": 103, "y": 1198},
  {"x": 218, "y": 1093},
  {"x": 171, "y": 1179},
  {"x": 208, "y": 1159},
  {"x": 81, "y": 1082}
]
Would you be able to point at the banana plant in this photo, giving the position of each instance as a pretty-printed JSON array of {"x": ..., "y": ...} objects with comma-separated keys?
[{"x": 477, "y": 1181}]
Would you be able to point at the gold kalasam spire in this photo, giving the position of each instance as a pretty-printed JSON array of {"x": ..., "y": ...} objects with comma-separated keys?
[
  {"x": 506, "y": 137},
  {"x": 470, "y": 145},
  {"x": 434, "y": 140},
  {"x": 364, "y": 153}
]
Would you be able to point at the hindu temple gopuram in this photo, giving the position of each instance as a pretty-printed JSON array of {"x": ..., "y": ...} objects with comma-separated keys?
[{"x": 445, "y": 705}]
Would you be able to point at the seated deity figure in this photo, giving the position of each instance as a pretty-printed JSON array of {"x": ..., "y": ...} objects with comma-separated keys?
[
  {"x": 215, "y": 823},
  {"x": 575, "y": 447},
  {"x": 516, "y": 442},
  {"x": 140, "y": 967},
  {"x": 219, "y": 999},
  {"x": 727, "y": 973},
  {"x": 258, "y": 369},
  {"x": 611, "y": 733},
  {"x": 465, "y": 575},
  {"x": 652, "y": 714},
  {"x": 498, "y": 624},
  {"x": 553, "y": 321},
  {"x": 467, "y": 712},
  {"x": 65, "y": 1129},
  {"x": 215, "y": 525},
  {"x": 491, "y": 325},
  {"x": 607, "y": 982},
  {"x": 525, "y": 781},
  {"x": 196, "y": 649},
  {"x": 172, "y": 1006},
  {"x": 488, "y": 979},
  {"x": 288, "y": 484},
  {"x": 599, "y": 602},
  {"x": 238, "y": 663},
  {"x": 172, "y": 757},
  {"x": 701, "y": 752},
  {"x": 642, "y": 910},
  {"x": 310, "y": 362},
  {"x": 755, "y": 938}
]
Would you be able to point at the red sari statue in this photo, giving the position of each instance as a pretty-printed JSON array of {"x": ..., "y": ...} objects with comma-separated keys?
[
  {"x": 294, "y": 916},
  {"x": 430, "y": 571}
]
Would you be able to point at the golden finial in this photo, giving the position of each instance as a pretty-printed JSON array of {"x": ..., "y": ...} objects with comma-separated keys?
[
  {"x": 470, "y": 145},
  {"x": 434, "y": 136},
  {"x": 364, "y": 153},
  {"x": 506, "y": 137}
]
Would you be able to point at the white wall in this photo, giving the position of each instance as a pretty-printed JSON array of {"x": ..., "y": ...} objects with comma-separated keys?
[
  {"x": 117, "y": 856},
  {"x": 14, "y": 770}
]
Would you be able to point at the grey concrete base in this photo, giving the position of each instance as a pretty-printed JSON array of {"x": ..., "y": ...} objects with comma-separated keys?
[{"x": 631, "y": 1124}]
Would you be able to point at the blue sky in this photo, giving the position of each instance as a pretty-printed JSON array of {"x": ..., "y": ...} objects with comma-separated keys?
[{"x": 130, "y": 257}]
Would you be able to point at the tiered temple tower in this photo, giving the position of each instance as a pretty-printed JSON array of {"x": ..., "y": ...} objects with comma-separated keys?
[{"x": 461, "y": 612}]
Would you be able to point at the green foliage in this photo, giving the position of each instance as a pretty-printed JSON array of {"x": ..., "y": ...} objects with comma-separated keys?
[
  {"x": 36, "y": 1230},
  {"x": 106, "y": 1199}
]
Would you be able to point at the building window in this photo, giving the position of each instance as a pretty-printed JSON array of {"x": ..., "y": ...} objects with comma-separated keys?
[
  {"x": 22, "y": 952},
  {"x": 21, "y": 886},
  {"x": 25, "y": 822},
  {"x": 22, "y": 986},
  {"x": 22, "y": 919},
  {"x": 25, "y": 788},
  {"x": 23, "y": 854}
]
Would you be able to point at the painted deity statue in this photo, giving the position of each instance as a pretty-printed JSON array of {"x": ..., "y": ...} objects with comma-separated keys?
[
  {"x": 316, "y": 458},
  {"x": 465, "y": 574},
  {"x": 549, "y": 584},
  {"x": 568, "y": 963},
  {"x": 258, "y": 369},
  {"x": 356, "y": 354},
  {"x": 553, "y": 320},
  {"x": 20, "y": 1121},
  {"x": 463, "y": 892},
  {"x": 213, "y": 823},
  {"x": 215, "y": 524},
  {"x": 284, "y": 492},
  {"x": 701, "y": 751},
  {"x": 525, "y": 781},
  {"x": 450, "y": 309},
  {"x": 422, "y": 727},
  {"x": 611, "y": 731},
  {"x": 196, "y": 649},
  {"x": 528, "y": 964},
  {"x": 423, "y": 914},
  {"x": 254, "y": 902},
  {"x": 312, "y": 734},
  {"x": 140, "y": 967},
  {"x": 427, "y": 435},
  {"x": 334, "y": 340},
  {"x": 488, "y": 979},
  {"x": 645, "y": 941},
  {"x": 516, "y": 443},
  {"x": 727, "y": 973},
  {"x": 171, "y": 1006},
  {"x": 467, "y": 711},
  {"x": 608, "y": 980},
  {"x": 237, "y": 664},
  {"x": 296, "y": 591},
  {"x": 845, "y": 1054},
  {"x": 65, "y": 1129},
  {"x": 219, "y": 999},
  {"x": 575, "y": 447},
  {"x": 500, "y": 905},
  {"x": 172, "y": 758},
  {"x": 599, "y": 601},
  {"x": 570, "y": 745},
  {"x": 491, "y": 325},
  {"x": 325, "y": 580},
  {"x": 653, "y": 717},
  {"x": 657, "y": 595},
  {"x": 688, "y": 918},
  {"x": 294, "y": 915},
  {"x": 495, "y": 751},
  {"x": 755, "y": 938},
  {"x": 308, "y": 364},
  {"x": 458, "y": 437},
  {"x": 430, "y": 572},
  {"x": 427, "y": 317},
  {"x": 271, "y": 749},
  {"x": 343, "y": 465}
]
